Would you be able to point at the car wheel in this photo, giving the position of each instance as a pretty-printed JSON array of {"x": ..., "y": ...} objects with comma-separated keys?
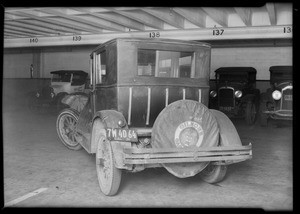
[
  {"x": 109, "y": 177},
  {"x": 250, "y": 113},
  {"x": 66, "y": 128},
  {"x": 213, "y": 173}
]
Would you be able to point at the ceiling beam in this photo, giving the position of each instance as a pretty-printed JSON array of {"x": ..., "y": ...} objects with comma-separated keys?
[
  {"x": 245, "y": 14},
  {"x": 26, "y": 30},
  {"x": 31, "y": 26},
  {"x": 219, "y": 15},
  {"x": 272, "y": 13},
  {"x": 141, "y": 17},
  {"x": 116, "y": 18},
  {"x": 193, "y": 14},
  {"x": 49, "y": 26},
  {"x": 100, "y": 23},
  {"x": 77, "y": 29},
  {"x": 167, "y": 15},
  {"x": 18, "y": 33}
]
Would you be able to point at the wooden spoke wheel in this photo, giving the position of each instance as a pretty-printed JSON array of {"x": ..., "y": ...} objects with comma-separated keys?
[
  {"x": 109, "y": 176},
  {"x": 66, "y": 129}
]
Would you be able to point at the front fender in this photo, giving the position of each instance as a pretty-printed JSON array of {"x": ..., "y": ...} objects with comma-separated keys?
[
  {"x": 228, "y": 133},
  {"x": 75, "y": 101},
  {"x": 248, "y": 98}
]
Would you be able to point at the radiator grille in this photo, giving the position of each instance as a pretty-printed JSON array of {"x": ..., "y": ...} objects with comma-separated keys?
[
  {"x": 226, "y": 97},
  {"x": 287, "y": 99}
]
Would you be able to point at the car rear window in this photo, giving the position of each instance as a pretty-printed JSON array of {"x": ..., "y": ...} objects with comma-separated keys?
[{"x": 170, "y": 64}]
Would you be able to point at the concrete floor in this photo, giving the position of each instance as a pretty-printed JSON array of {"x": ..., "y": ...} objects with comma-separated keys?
[{"x": 35, "y": 158}]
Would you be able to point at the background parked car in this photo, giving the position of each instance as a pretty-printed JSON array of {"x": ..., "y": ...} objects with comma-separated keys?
[
  {"x": 277, "y": 102},
  {"x": 63, "y": 82},
  {"x": 235, "y": 93}
]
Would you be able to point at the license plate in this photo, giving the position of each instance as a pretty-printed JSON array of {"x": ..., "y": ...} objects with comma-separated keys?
[
  {"x": 223, "y": 108},
  {"x": 121, "y": 134},
  {"x": 288, "y": 97}
]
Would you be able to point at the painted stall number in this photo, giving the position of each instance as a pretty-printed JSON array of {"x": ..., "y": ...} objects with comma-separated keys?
[
  {"x": 218, "y": 32},
  {"x": 154, "y": 34},
  {"x": 287, "y": 29},
  {"x": 33, "y": 40},
  {"x": 76, "y": 38}
]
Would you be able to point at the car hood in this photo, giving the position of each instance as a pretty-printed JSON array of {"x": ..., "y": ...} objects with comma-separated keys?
[
  {"x": 283, "y": 85},
  {"x": 235, "y": 85}
]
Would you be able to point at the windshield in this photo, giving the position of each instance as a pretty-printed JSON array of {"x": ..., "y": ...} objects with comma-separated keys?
[
  {"x": 280, "y": 77},
  {"x": 169, "y": 64},
  {"x": 61, "y": 77},
  {"x": 232, "y": 77}
]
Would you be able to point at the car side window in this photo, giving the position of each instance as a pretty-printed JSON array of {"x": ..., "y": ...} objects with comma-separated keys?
[{"x": 101, "y": 67}]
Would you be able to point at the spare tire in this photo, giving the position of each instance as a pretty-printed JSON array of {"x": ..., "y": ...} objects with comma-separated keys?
[{"x": 185, "y": 123}]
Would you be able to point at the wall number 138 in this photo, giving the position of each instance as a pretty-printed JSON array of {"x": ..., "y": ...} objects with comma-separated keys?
[{"x": 154, "y": 34}]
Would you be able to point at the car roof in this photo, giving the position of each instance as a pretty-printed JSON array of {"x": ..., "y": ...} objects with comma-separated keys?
[
  {"x": 166, "y": 41},
  {"x": 236, "y": 70},
  {"x": 79, "y": 72},
  {"x": 281, "y": 69}
]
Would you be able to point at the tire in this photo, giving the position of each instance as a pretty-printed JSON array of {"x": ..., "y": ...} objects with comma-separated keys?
[
  {"x": 66, "y": 128},
  {"x": 213, "y": 173},
  {"x": 250, "y": 113},
  {"x": 109, "y": 177},
  {"x": 263, "y": 118}
]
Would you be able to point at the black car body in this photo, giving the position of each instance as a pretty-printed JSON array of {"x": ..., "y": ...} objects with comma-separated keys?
[
  {"x": 147, "y": 107},
  {"x": 277, "y": 102},
  {"x": 235, "y": 92}
]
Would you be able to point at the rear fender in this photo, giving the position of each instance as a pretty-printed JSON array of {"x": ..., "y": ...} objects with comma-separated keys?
[
  {"x": 109, "y": 119},
  {"x": 228, "y": 133}
]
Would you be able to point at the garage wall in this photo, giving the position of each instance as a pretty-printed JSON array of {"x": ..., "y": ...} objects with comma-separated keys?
[
  {"x": 261, "y": 58},
  {"x": 17, "y": 65},
  {"x": 17, "y": 62},
  {"x": 65, "y": 59}
]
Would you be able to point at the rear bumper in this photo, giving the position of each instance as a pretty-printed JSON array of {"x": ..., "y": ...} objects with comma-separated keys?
[{"x": 220, "y": 155}]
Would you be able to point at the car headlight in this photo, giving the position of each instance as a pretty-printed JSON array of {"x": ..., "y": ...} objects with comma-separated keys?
[
  {"x": 213, "y": 93},
  {"x": 238, "y": 94},
  {"x": 37, "y": 94},
  {"x": 276, "y": 95},
  {"x": 52, "y": 94}
]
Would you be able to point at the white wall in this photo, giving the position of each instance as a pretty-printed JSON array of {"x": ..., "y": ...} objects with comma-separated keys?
[
  {"x": 67, "y": 60},
  {"x": 17, "y": 65},
  {"x": 261, "y": 58}
]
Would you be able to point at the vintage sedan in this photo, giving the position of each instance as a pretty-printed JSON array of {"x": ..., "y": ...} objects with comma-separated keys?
[
  {"x": 277, "y": 102},
  {"x": 148, "y": 108},
  {"x": 235, "y": 93},
  {"x": 63, "y": 82}
]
